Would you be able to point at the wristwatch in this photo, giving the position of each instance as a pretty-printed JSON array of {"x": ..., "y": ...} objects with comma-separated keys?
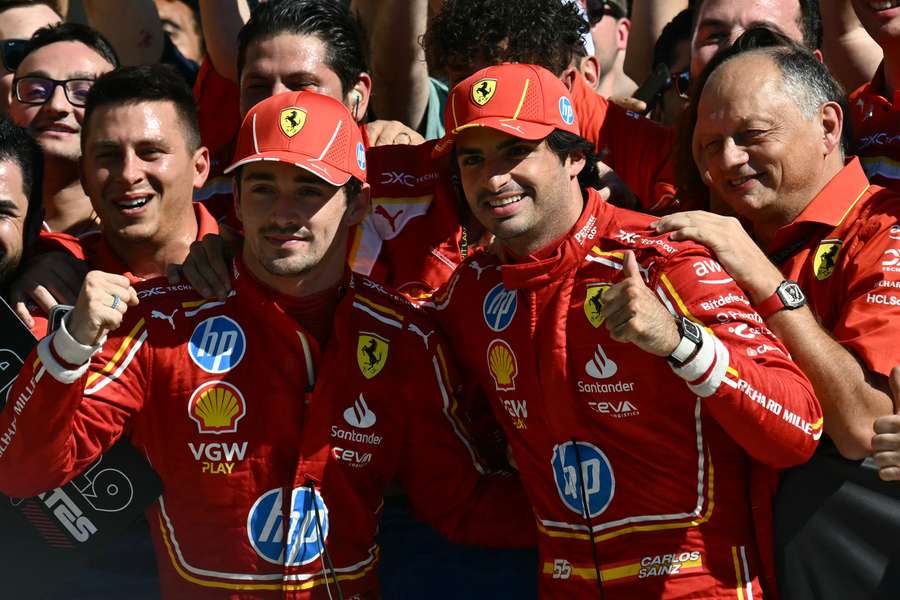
[
  {"x": 691, "y": 341},
  {"x": 787, "y": 296}
]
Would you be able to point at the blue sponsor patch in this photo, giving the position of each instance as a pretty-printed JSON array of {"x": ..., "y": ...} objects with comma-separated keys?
[
  {"x": 500, "y": 307},
  {"x": 583, "y": 471},
  {"x": 217, "y": 344},
  {"x": 307, "y": 531},
  {"x": 361, "y": 156},
  {"x": 566, "y": 112}
]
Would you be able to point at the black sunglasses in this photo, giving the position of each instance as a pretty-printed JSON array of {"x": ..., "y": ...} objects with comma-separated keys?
[
  {"x": 11, "y": 53},
  {"x": 596, "y": 10}
]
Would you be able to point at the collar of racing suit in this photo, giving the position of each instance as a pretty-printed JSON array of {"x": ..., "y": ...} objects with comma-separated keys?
[{"x": 551, "y": 263}]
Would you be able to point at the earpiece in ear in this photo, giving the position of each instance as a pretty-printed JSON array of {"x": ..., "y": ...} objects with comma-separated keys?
[{"x": 356, "y": 98}]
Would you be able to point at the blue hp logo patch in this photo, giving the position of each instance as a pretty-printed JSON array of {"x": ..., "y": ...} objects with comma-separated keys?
[
  {"x": 593, "y": 479},
  {"x": 500, "y": 307},
  {"x": 566, "y": 112},
  {"x": 217, "y": 344},
  {"x": 302, "y": 542},
  {"x": 361, "y": 156}
]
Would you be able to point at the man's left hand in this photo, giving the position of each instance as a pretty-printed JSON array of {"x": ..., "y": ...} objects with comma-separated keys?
[
  {"x": 634, "y": 314},
  {"x": 732, "y": 246}
]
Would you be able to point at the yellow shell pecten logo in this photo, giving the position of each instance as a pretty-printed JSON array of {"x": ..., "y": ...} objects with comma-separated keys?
[
  {"x": 216, "y": 407},
  {"x": 503, "y": 365},
  {"x": 483, "y": 90},
  {"x": 292, "y": 120},
  {"x": 826, "y": 258}
]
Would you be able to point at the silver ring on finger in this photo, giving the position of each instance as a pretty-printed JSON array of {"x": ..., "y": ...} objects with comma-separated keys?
[{"x": 116, "y": 301}]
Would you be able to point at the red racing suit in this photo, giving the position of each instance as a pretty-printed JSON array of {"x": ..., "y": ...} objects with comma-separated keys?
[
  {"x": 664, "y": 460},
  {"x": 876, "y": 127},
  {"x": 415, "y": 235},
  {"x": 251, "y": 425}
]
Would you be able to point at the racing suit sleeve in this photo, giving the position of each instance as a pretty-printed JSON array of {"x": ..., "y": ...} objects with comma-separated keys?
[
  {"x": 742, "y": 371},
  {"x": 444, "y": 477},
  {"x": 870, "y": 312},
  {"x": 69, "y": 404}
]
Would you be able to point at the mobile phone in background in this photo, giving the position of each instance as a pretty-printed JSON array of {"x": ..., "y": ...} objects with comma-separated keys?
[
  {"x": 650, "y": 91},
  {"x": 56, "y": 316}
]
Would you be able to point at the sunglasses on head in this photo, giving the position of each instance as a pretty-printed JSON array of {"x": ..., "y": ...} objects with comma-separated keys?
[
  {"x": 11, "y": 53},
  {"x": 597, "y": 10}
]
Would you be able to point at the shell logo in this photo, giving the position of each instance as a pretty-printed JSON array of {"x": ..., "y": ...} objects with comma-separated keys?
[
  {"x": 216, "y": 407},
  {"x": 503, "y": 365}
]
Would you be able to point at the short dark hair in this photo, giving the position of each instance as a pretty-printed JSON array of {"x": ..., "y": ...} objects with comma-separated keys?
[
  {"x": 809, "y": 22},
  {"x": 328, "y": 20},
  {"x": 17, "y": 146},
  {"x": 539, "y": 32},
  {"x": 806, "y": 80},
  {"x": 6, "y": 5},
  {"x": 677, "y": 30},
  {"x": 145, "y": 83},
  {"x": 72, "y": 32},
  {"x": 565, "y": 144}
]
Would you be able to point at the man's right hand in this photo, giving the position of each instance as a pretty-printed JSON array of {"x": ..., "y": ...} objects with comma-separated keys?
[
  {"x": 206, "y": 267},
  {"x": 101, "y": 304}
]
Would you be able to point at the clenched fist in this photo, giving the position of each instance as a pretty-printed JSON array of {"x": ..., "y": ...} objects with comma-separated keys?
[{"x": 100, "y": 306}]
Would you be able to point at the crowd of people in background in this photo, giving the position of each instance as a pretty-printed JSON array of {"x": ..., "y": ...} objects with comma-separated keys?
[{"x": 460, "y": 298}]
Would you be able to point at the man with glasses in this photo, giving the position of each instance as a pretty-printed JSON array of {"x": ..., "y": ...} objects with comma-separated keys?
[
  {"x": 19, "y": 19},
  {"x": 51, "y": 83},
  {"x": 609, "y": 29}
]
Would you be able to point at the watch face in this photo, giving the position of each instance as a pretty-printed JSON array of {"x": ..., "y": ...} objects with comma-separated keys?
[
  {"x": 792, "y": 295},
  {"x": 691, "y": 330}
]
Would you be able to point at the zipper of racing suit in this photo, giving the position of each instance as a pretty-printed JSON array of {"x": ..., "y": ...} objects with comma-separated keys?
[
  {"x": 586, "y": 513},
  {"x": 327, "y": 566}
]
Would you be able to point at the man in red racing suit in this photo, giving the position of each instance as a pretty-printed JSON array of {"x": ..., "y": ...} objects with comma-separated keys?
[
  {"x": 639, "y": 457},
  {"x": 275, "y": 420}
]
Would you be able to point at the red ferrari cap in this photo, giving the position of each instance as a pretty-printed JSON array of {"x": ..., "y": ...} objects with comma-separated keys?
[
  {"x": 526, "y": 101},
  {"x": 306, "y": 129}
]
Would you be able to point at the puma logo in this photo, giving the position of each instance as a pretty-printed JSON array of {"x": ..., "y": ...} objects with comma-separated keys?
[
  {"x": 478, "y": 269},
  {"x": 390, "y": 218},
  {"x": 161, "y": 315},
  {"x": 415, "y": 329}
]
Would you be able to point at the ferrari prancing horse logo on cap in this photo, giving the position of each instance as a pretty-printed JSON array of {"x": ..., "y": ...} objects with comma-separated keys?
[
  {"x": 483, "y": 90},
  {"x": 292, "y": 120}
]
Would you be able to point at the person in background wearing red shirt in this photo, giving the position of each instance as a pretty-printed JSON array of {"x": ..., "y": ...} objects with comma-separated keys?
[{"x": 875, "y": 107}]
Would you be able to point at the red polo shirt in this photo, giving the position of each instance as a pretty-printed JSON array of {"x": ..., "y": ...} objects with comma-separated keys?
[
  {"x": 844, "y": 251},
  {"x": 876, "y": 129}
]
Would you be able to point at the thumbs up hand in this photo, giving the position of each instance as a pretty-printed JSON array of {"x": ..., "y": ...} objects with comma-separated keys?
[
  {"x": 634, "y": 314},
  {"x": 886, "y": 442}
]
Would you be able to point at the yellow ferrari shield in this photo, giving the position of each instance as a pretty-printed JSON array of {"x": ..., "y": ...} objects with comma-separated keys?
[
  {"x": 826, "y": 258},
  {"x": 483, "y": 90},
  {"x": 593, "y": 303},
  {"x": 371, "y": 354},
  {"x": 292, "y": 120}
]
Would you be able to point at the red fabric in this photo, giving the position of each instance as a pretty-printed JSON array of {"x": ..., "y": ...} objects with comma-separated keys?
[
  {"x": 218, "y": 102},
  {"x": 356, "y": 431},
  {"x": 637, "y": 149},
  {"x": 875, "y": 123},
  {"x": 667, "y": 471},
  {"x": 858, "y": 300},
  {"x": 57, "y": 241}
]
